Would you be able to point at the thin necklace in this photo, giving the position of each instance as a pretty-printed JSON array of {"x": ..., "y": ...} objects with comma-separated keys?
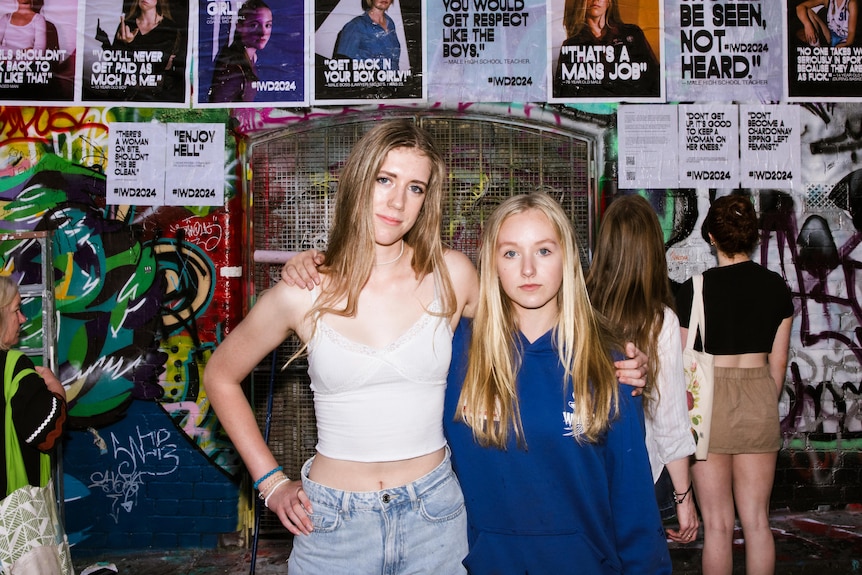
[{"x": 398, "y": 257}]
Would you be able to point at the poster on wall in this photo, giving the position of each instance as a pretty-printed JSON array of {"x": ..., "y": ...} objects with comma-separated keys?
[
  {"x": 194, "y": 169},
  {"x": 487, "y": 51},
  {"x": 136, "y": 164},
  {"x": 605, "y": 51},
  {"x": 644, "y": 134},
  {"x": 250, "y": 53},
  {"x": 724, "y": 50},
  {"x": 708, "y": 146},
  {"x": 824, "y": 50},
  {"x": 368, "y": 50},
  {"x": 136, "y": 52},
  {"x": 37, "y": 51},
  {"x": 770, "y": 144}
]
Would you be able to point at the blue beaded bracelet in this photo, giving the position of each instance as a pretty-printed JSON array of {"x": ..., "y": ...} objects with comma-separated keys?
[{"x": 271, "y": 472}]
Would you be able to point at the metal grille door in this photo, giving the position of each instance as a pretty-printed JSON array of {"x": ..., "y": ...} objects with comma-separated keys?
[{"x": 292, "y": 197}]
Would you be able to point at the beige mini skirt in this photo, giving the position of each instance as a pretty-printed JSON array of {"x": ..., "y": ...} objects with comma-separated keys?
[{"x": 744, "y": 412}]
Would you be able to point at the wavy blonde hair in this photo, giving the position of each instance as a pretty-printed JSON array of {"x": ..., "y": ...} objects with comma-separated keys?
[{"x": 490, "y": 391}]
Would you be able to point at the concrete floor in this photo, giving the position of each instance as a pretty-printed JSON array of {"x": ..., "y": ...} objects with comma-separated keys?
[{"x": 826, "y": 542}]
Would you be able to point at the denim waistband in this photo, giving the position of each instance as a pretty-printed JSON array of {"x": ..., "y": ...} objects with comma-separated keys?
[{"x": 348, "y": 501}]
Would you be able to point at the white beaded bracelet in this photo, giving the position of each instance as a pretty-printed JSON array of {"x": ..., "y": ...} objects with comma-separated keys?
[{"x": 273, "y": 490}]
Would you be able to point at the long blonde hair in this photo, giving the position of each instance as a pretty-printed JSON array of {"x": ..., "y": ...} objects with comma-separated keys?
[
  {"x": 630, "y": 287},
  {"x": 489, "y": 396},
  {"x": 350, "y": 250}
]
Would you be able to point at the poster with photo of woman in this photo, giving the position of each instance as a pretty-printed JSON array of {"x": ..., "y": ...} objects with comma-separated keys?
[
  {"x": 136, "y": 51},
  {"x": 251, "y": 52},
  {"x": 605, "y": 50},
  {"x": 824, "y": 50},
  {"x": 37, "y": 51},
  {"x": 368, "y": 50}
]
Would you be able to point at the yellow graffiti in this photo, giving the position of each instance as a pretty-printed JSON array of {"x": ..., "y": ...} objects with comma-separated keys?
[{"x": 61, "y": 290}]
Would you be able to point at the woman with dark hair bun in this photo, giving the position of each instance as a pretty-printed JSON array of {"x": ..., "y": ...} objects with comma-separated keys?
[{"x": 748, "y": 312}]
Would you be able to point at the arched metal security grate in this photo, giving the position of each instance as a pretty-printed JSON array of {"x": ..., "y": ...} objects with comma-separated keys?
[{"x": 292, "y": 197}]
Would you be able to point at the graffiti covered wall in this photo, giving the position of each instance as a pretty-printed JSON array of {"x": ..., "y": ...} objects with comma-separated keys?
[
  {"x": 140, "y": 309},
  {"x": 142, "y": 300}
]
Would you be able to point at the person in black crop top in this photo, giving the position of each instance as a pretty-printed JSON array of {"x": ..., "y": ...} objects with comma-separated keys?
[{"x": 748, "y": 312}]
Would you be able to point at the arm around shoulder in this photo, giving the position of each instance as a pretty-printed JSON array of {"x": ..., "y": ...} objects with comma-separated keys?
[{"x": 465, "y": 282}]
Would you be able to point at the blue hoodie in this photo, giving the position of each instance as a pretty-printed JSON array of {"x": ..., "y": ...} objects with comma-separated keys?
[{"x": 558, "y": 507}]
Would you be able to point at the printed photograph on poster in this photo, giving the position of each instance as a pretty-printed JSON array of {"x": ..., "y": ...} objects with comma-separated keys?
[
  {"x": 605, "y": 50},
  {"x": 724, "y": 50},
  {"x": 195, "y": 159},
  {"x": 37, "y": 50},
  {"x": 770, "y": 143},
  {"x": 250, "y": 52},
  {"x": 136, "y": 164},
  {"x": 487, "y": 51},
  {"x": 368, "y": 49},
  {"x": 136, "y": 51},
  {"x": 645, "y": 132},
  {"x": 708, "y": 145},
  {"x": 824, "y": 51}
]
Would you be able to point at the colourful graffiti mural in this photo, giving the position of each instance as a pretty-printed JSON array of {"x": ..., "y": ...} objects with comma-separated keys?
[
  {"x": 142, "y": 303},
  {"x": 134, "y": 288}
]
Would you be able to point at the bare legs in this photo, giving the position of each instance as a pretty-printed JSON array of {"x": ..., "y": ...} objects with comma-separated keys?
[
  {"x": 713, "y": 487},
  {"x": 746, "y": 480},
  {"x": 753, "y": 474}
]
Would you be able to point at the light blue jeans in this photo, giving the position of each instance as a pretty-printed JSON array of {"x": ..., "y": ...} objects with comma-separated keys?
[{"x": 418, "y": 528}]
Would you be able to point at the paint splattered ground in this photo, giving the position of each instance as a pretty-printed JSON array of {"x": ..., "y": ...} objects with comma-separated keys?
[{"x": 822, "y": 542}]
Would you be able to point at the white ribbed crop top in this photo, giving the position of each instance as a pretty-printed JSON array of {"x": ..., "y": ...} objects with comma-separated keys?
[{"x": 381, "y": 404}]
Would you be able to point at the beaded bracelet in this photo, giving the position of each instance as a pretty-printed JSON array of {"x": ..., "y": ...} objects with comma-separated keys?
[
  {"x": 679, "y": 498},
  {"x": 273, "y": 490},
  {"x": 267, "y": 474},
  {"x": 269, "y": 485},
  {"x": 270, "y": 481}
]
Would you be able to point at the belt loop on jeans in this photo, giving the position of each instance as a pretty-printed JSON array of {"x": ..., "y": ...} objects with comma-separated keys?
[
  {"x": 414, "y": 499},
  {"x": 344, "y": 508}
]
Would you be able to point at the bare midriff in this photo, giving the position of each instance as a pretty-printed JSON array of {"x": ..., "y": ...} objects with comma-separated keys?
[
  {"x": 741, "y": 360},
  {"x": 372, "y": 476}
]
